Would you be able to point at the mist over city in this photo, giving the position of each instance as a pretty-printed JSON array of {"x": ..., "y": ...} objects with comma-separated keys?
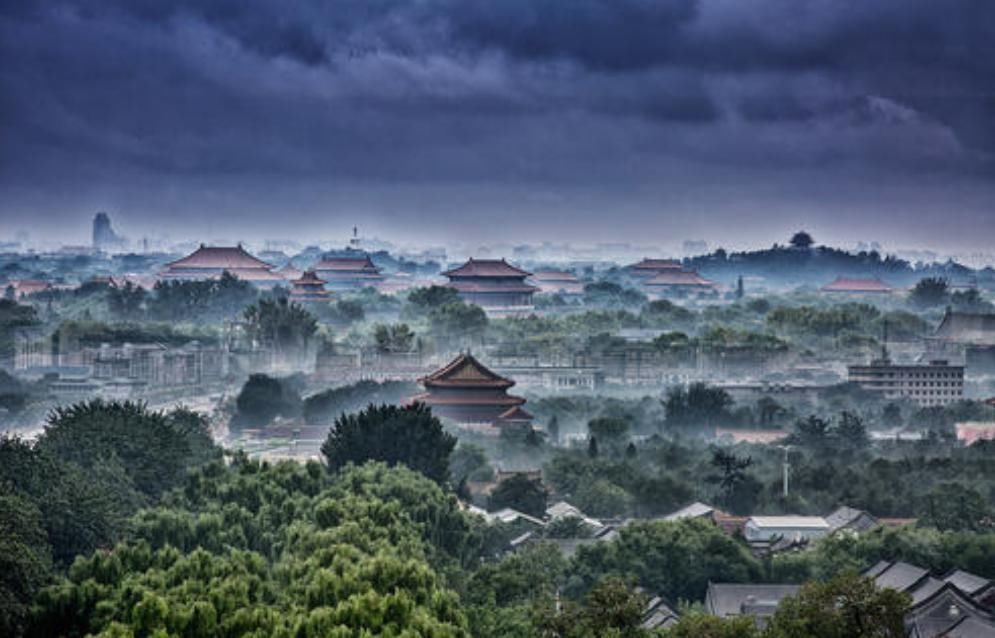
[{"x": 586, "y": 319}]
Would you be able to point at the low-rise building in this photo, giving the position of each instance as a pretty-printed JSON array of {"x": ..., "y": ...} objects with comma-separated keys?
[
  {"x": 758, "y": 601},
  {"x": 936, "y": 384},
  {"x": 793, "y": 528}
]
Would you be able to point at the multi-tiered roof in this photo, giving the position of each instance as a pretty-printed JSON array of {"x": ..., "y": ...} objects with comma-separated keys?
[
  {"x": 349, "y": 272},
  {"x": 558, "y": 281},
  {"x": 651, "y": 267},
  {"x": 491, "y": 283},
  {"x": 309, "y": 288},
  {"x": 466, "y": 391}
]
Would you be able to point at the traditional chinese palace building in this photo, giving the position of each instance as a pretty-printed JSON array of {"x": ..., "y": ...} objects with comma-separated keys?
[
  {"x": 648, "y": 268},
  {"x": 668, "y": 283},
  {"x": 309, "y": 288},
  {"x": 348, "y": 272},
  {"x": 210, "y": 262},
  {"x": 469, "y": 393},
  {"x": 494, "y": 285}
]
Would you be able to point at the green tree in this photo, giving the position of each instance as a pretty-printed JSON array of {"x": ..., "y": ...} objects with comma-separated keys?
[
  {"x": 469, "y": 462},
  {"x": 155, "y": 449},
  {"x": 408, "y": 435},
  {"x": 847, "y": 606},
  {"x": 930, "y": 292},
  {"x": 698, "y": 624},
  {"x": 280, "y": 324},
  {"x": 391, "y": 339},
  {"x": 675, "y": 560},
  {"x": 424, "y": 300},
  {"x": 952, "y": 506},
  {"x": 610, "y": 609},
  {"x": 519, "y": 492},
  {"x": 25, "y": 563},
  {"x": 698, "y": 405},
  {"x": 731, "y": 474},
  {"x": 612, "y": 430},
  {"x": 802, "y": 240},
  {"x": 262, "y": 399},
  {"x": 458, "y": 322}
]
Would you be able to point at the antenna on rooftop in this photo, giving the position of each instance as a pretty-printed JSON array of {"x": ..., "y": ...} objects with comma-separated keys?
[{"x": 884, "y": 341}]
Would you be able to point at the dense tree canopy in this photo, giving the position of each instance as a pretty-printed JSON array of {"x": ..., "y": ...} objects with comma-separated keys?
[{"x": 408, "y": 435}]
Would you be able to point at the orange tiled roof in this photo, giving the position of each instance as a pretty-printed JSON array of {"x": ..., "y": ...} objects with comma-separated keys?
[
  {"x": 220, "y": 257},
  {"x": 465, "y": 371}
]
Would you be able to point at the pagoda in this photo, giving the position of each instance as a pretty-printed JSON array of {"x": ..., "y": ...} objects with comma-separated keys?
[
  {"x": 309, "y": 288},
  {"x": 493, "y": 284},
  {"x": 210, "y": 262},
  {"x": 348, "y": 272},
  {"x": 469, "y": 393}
]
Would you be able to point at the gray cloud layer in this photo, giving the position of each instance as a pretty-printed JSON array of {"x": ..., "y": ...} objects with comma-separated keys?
[{"x": 669, "y": 117}]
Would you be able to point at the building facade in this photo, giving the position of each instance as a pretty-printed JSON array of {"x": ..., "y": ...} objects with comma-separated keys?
[
  {"x": 210, "y": 262},
  {"x": 935, "y": 384},
  {"x": 469, "y": 393},
  {"x": 345, "y": 273},
  {"x": 494, "y": 285},
  {"x": 309, "y": 288}
]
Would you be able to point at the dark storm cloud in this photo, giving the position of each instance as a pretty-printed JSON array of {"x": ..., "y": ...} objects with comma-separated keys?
[{"x": 103, "y": 95}]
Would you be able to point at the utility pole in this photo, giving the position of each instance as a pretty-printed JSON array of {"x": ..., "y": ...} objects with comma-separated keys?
[{"x": 785, "y": 467}]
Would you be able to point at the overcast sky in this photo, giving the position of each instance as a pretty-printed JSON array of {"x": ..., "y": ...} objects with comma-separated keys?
[{"x": 515, "y": 120}]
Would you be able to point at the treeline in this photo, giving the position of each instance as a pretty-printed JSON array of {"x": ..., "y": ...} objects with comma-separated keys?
[{"x": 171, "y": 540}]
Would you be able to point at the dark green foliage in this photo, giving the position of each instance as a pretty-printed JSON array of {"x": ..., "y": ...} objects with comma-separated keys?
[
  {"x": 519, "y": 492},
  {"x": 324, "y": 407},
  {"x": 730, "y": 475},
  {"x": 697, "y": 406},
  {"x": 801, "y": 239},
  {"x": 71, "y": 335},
  {"x": 951, "y": 506},
  {"x": 407, "y": 435},
  {"x": 154, "y": 449},
  {"x": 607, "y": 294},
  {"x": 280, "y": 324},
  {"x": 845, "y": 607},
  {"x": 612, "y": 608},
  {"x": 25, "y": 563},
  {"x": 394, "y": 338},
  {"x": 457, "y": 322},
  {"x": 696, "y": 623},
  {"x": 930, "y": 292},
  {"x": 424, "y": 300},
  {"x": 609, "y": 429},
  {"x": 263, "y": 398},
  {"x": 206, "y": 300},
  {"x": 673, "y": 559},
  {"x": 469, "y": 463},
  {"x": 13, "y": 316},
  {"x": 258, "y": 550}
]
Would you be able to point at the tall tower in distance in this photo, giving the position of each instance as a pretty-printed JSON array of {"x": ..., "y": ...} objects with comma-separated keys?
[{"x": 104, "y": 236}]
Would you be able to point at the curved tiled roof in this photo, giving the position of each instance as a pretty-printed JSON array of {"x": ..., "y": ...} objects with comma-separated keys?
[
  {"x": 679, "y": 278},
  {"x": 219, "y": 257},
  {"x": 358, "y": 264},
  {"x": 486, "y": 268},
  {"x": 465, "y": 371}
]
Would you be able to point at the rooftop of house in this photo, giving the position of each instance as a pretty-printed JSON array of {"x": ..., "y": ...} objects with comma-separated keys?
[
  {"x": 219, "y": 258},
  {"x": 465, "y": 371},
  {"x": 792, "y": 522},
  {"x": 486, "y": 268},
  {"x": 739, "y": 599}
]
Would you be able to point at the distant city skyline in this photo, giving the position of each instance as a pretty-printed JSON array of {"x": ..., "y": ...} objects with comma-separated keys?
[{"x": 441, "y": 122}]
